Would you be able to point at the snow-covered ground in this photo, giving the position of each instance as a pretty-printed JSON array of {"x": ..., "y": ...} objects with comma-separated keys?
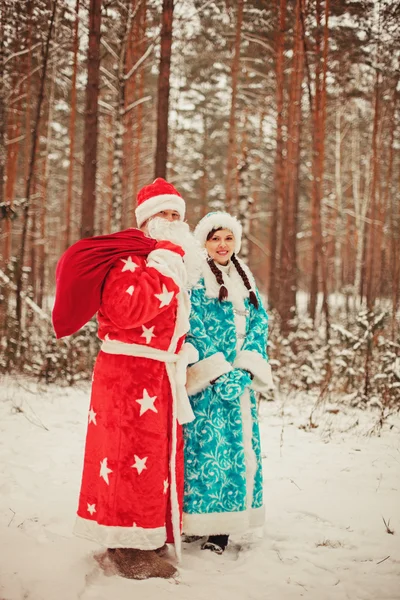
[{"x": 327, "y": 490}]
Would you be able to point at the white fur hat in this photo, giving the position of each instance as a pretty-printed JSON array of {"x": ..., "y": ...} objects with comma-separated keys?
[{"x": 216, "y": 220}]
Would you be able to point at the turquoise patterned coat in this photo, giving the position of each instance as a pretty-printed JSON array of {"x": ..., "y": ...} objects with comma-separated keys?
[{"x": 223, "y": 471}]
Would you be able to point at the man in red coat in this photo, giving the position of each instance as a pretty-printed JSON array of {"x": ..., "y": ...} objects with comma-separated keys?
[{"x": 132, "y": 482}]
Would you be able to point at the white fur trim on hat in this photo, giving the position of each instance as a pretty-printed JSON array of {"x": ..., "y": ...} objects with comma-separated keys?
[
  {"x": 152, "y": 206},
  {"x": 215, "y": 220}
]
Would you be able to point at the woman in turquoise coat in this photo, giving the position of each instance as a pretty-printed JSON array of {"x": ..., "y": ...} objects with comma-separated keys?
[{"x": 228, "y": 327}]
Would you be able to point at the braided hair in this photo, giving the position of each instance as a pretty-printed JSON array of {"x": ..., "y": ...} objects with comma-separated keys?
[
  {"x": 223, "y": 292},
  {"x": 243, "y": 275}
]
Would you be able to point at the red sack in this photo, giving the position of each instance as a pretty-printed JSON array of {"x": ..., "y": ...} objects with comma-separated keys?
[{"x": 81, "y": 271}]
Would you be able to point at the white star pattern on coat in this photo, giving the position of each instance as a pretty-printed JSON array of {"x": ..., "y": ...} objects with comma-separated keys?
[
  {"x": 130, "y": 290},
  {"x": 166, "y": 485},
  {"x": 104, "y": 470},
  {"x": 147, "y": 403},
  {"x": 129, "y": 264},
  {"x": 148, "y": 333},
  {"x": 139, "y": 464},
  {"x": 91, "y": 508},
  {"x": 92, "y": 416},
  {"x": 165, "y": 297}
]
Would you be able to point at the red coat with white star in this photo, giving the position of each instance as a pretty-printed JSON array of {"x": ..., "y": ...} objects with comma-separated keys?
[{"x": 133, "y": 466}]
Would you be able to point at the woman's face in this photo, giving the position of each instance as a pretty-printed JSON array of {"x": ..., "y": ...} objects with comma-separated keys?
[{"x": 221, "y": 246}]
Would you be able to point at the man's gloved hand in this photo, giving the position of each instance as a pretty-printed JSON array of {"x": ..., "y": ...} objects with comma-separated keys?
[{"x": 232, "y": 385}]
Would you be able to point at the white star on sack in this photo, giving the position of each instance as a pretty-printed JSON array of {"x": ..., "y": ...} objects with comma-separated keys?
[
  {"x": 91, "y": 508},
  {"x": 166, "y": 485},
  {"x": 147, "y": 403},
  {"x": 148, "y": 333},
  {"x": 104, "y": 470},
  {"x": 165, "y": 297},
  {"x": 92, "y": 416},
  {"x": 129, "y": 264},
  {"x": 130, "y": 290},
  {"x": 139, "y": 464}
]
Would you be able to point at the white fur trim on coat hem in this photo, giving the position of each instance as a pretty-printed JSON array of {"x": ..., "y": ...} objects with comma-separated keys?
[
  {"x": 223, "y": 523},
  {"x": 120, "y": 537},
  {"x": 152, "y": 206},
  {"x": 200, "y": 375},
  {"x": 258, "y": 366}
]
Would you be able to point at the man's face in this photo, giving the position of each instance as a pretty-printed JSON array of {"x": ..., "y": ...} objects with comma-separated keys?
[{"x": 169, "y": 215}]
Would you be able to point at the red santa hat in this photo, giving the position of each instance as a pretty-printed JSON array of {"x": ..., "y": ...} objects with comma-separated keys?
[{"x": 159, "y": 195}]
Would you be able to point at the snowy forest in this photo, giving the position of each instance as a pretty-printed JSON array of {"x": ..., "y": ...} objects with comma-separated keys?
[{"x": 286, "y": 113}]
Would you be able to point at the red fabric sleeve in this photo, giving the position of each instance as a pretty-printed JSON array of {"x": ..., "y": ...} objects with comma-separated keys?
[{"x": 135, "y": 295}]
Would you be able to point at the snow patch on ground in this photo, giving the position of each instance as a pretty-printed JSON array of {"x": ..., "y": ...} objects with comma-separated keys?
[{"x": 328, "y": 485}]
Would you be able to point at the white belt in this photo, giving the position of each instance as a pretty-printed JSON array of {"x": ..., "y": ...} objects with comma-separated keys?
[{"x": 177, "y": 374}]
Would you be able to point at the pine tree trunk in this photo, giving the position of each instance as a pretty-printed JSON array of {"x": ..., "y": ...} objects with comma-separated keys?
[
  {"x": 42, "y": 246},
  {"x": 72, "y": 127},
  {"x": 139, "y": 120},
  {"x": 161, "y": 156},
  {"x": 230, "y": 194},
  {"x": 375, "y": 169},
  {"x": 288, "y": 257},
  {"x": 316, "y": 184},
  {"x": 361, "y": 201},
  {"x": 277, "y": 199},
  {"x": 3, "y": 9},
  {"x": 338, "y": 222},
  {"x": 13, "y": 148},
  {"x": 91, "y": 121},
  {"x": 29, "y": 181}
]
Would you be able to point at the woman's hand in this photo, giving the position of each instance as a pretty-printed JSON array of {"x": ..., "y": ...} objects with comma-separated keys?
[{"x": 232, "y": 385}]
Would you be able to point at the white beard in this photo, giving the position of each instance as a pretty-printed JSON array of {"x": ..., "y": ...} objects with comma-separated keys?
[{"x": 179, "y": 233}]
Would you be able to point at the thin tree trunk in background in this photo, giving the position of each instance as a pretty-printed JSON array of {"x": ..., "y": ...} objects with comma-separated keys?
[
  {"x": 72, "y": 127},
  {"x": 394, "y": 220},
  {"x": 255, "y": 205},
  {"x": 131, "y": 56},
  {"x": 110, "y": 156},
  {"x": 361, "y": 200},
  {"x": 245, "y": 200},
  {"x": 231, "y": 162},
  {"x": 161, "y": 156},
  {"x": 42, "y": 250},
  {"x": 19, "y": 269},
  {"x": 3, "y": 9},
  {"x": 288, "y": 257},
  {"x": 139, "y": 120},
  {"x": 375, "y": 169},
  {"x": 279, "y": 191},
  {"x": 122, "y": 114},
  {"x": 321, "y": 172},
  {"x": 316, "y": 183},
  {"x": 339, "y": 216},
  {"x": 91, "y": 121},
  {"x": 13, "y": 149},
  {"x": 204, "y": 168}
]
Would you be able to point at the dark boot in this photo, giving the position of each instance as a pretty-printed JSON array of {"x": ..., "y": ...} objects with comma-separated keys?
[
  {"x": 140, "y": 564},
  {"x": 216, "y": 543}
]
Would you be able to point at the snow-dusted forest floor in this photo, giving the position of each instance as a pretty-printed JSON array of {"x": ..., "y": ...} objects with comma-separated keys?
[{"x": 327, "y": 490}]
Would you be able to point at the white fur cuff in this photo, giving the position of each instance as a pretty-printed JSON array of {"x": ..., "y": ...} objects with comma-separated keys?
[
  {"x": 258, "y": 366},
  {"x": 202, "y": 373},
  {"x": 169, "y": 263}
]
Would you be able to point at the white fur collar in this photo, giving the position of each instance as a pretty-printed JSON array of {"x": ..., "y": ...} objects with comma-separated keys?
[{"x": 237, "y": 291}]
